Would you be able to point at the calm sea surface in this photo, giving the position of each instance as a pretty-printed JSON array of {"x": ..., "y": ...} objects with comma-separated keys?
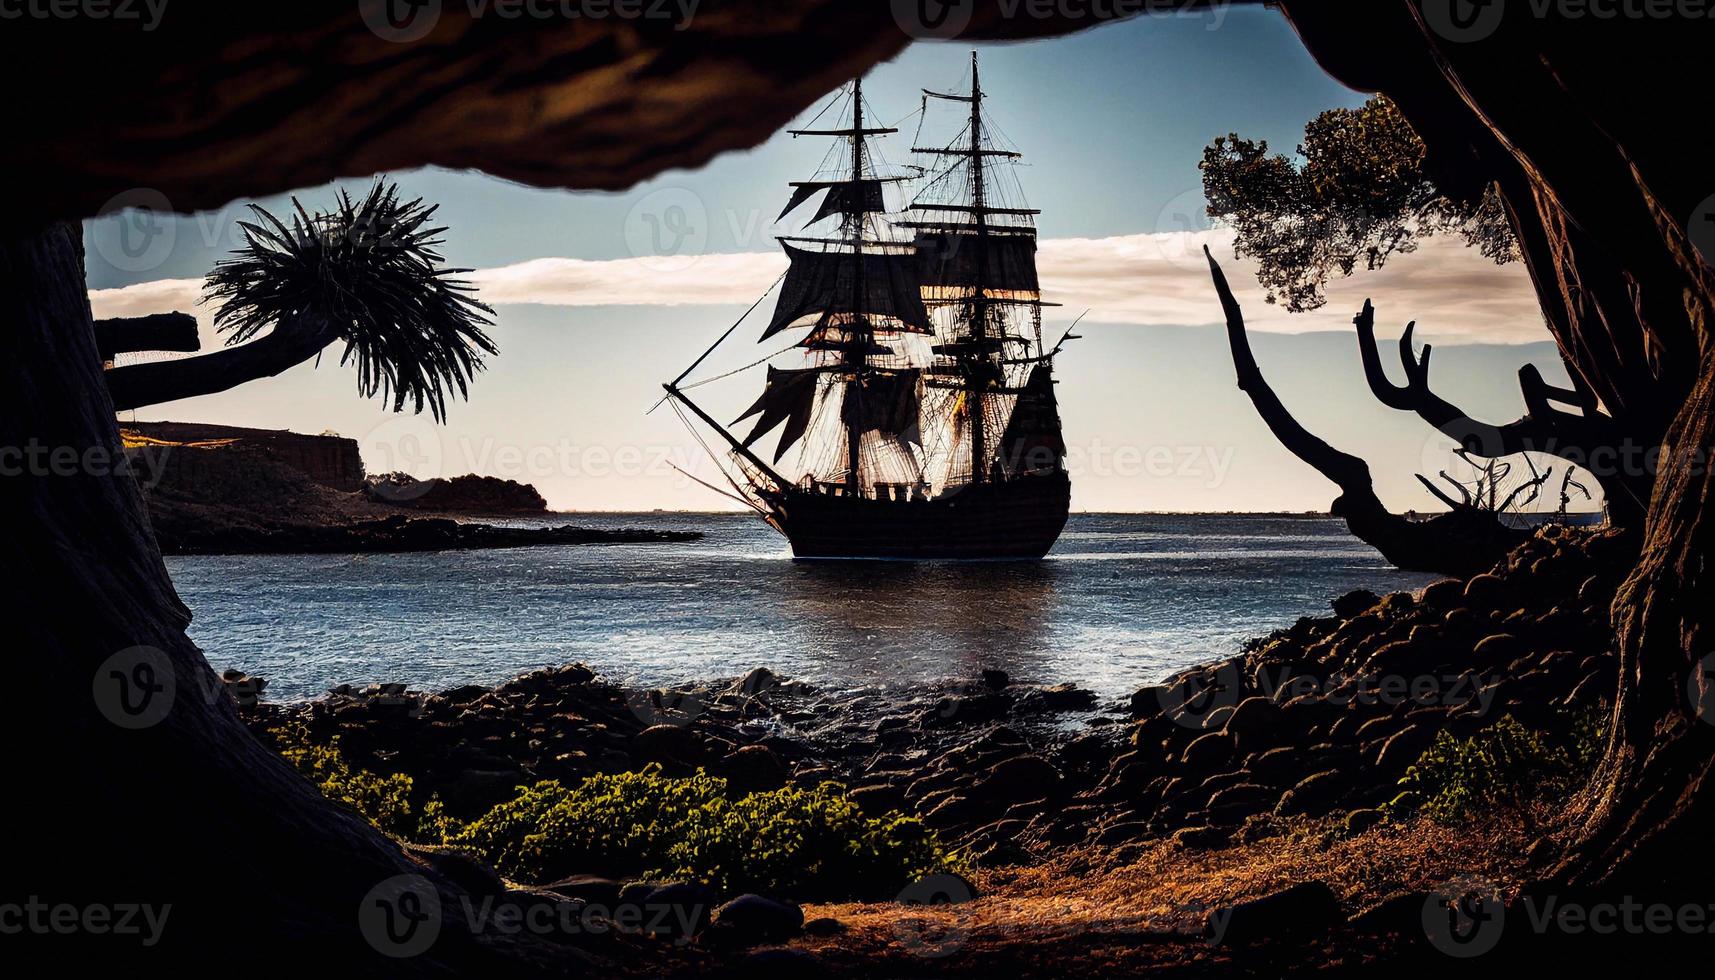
[{"x": 1122, "y": 601}]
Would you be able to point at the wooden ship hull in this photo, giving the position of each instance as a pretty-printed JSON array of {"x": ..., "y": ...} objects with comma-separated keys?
[{"x": 1017, "y": 520}]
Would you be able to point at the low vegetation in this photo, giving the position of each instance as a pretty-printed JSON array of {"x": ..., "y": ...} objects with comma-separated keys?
[
  {"x": 1505, "y": 767},
  {"x": 810, "y": 844}
]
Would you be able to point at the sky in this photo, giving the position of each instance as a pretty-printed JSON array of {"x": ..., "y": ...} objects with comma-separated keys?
[{"x": 601, "y": 297}]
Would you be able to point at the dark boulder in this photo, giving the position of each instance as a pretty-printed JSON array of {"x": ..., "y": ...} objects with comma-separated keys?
[
  {"x": 1302, "y": 911},
  {"x": 593, "y": 889},
  {"x": 753, "y": 769},
  {"x": 1314, "y": 794},
  {"x": 1355, "y": 603},
  {"x": 750, "y": 919}
]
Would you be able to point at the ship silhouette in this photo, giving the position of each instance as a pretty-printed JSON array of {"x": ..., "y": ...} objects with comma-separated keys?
[{"x": 920, "y": 398}]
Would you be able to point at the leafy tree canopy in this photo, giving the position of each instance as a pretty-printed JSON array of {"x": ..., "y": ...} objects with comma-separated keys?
[{"x": 1356, "y": 193}]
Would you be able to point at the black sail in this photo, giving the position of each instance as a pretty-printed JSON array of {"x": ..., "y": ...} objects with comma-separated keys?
[
  {"x": 789, "y": 397},
  {"x": 951, "y": 258},
  {"x": 844, "y": 197},
  {"x": 889, "y": 402},
  {"x": 824, "y": 282}
]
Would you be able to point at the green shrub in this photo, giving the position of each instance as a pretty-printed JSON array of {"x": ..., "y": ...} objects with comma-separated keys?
[
  {"x": 1503, "y": 767},
  {"x": 813, "y": 844},
  {"x": 805, "y": 843},
  {"x": 385, "y": 801}
]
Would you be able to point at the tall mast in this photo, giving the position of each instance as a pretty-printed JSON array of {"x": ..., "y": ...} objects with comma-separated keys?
[
  {"x": 979, "y": 301},
  {"x": 858, "y": 331}
]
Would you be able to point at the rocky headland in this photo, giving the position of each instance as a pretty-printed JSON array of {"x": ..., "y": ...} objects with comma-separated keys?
[{"x": 229, "y": 490}]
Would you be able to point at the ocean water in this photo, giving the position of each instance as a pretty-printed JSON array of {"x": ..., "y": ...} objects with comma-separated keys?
[{"x": 1122, "y": 601}]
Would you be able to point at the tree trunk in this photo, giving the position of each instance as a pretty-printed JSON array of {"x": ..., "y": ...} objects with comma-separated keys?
[
  {"x": 1590, "y": 112},
  {"x": 155, "y": 792}
]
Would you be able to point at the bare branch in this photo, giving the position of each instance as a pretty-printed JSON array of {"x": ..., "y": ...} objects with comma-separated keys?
[
  {"x": 1429, "y": 485},
  {"x": 1534, "y": 486},
  {"x": 1348, "y": 472}
]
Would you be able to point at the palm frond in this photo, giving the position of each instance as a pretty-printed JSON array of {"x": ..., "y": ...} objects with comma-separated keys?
[{"x": 370, "y": 270}]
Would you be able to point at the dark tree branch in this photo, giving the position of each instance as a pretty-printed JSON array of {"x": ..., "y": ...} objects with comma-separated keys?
[
  {"x": 1464, "y": 542},
  {"x": 1348, "y": 472},
  {"x": 288, "y": 344},
  {"x": 157, "y": 331},
  {"x": 1543, "y": 428},
  {"x": 1441, "y": 495},
  {"x": 1533, "y": 486}
]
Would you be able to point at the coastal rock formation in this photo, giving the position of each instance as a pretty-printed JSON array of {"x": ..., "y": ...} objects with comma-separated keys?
[
  {"x": 468, "y": 494},
  {"x": 217, "y": 490},
  {"x": 1319, "y": 720},
  {"x": 1327, "y": 715},
  {"x": 394, "y": 534},
  {"x": 178, "y": 451}
]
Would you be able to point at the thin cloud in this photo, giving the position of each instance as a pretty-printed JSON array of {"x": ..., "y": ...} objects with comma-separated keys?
[{"x": 1455, "y": 294}]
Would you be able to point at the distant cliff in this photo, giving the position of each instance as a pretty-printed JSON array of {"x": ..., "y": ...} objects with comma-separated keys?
[
  {"x": 213, "y": 488},
  {"x": 331, "y": 461},
  {"x": 467, "y": 494}
]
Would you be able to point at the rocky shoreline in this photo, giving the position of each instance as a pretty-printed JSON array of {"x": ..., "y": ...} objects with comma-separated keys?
[{"x": 1314, "y": 722}]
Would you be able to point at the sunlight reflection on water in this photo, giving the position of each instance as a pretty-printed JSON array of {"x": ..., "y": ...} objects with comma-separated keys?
[{"x": 1123, "y": 601}]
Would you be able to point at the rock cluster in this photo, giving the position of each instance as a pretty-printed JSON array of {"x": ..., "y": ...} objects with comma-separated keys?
[
  {"x": 1327, "y": 715},
  {"x": 937, "y": 750}
]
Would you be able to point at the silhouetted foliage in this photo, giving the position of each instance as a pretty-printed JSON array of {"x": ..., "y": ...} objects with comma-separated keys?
[
  {"x": 369, "y": 270},
  {"x": 1357, "y": 194}
]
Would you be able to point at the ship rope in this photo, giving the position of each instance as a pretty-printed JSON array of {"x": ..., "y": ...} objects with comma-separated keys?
[
  {"x": 695, "y": 434},
  {"x": 739, "y": 370}
]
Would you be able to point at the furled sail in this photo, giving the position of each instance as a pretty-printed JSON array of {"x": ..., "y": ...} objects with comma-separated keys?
[
  {"x": 844, "y": 197},
  {"x": 950, "y": 258},
  {"x": 823, "y": 282},
  {"x": 789, "y": 397},
  {"x": 889, "y": 402}
]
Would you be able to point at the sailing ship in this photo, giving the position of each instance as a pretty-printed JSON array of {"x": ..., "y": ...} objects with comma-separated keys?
[{"x": 920, "y": 397}]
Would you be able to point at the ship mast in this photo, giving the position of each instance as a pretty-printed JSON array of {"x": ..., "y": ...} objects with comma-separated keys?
[
  {"x": 979, "y": 304},
  {"x": 858, "y": 333},
  {"x": 982, "y": 268}
]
